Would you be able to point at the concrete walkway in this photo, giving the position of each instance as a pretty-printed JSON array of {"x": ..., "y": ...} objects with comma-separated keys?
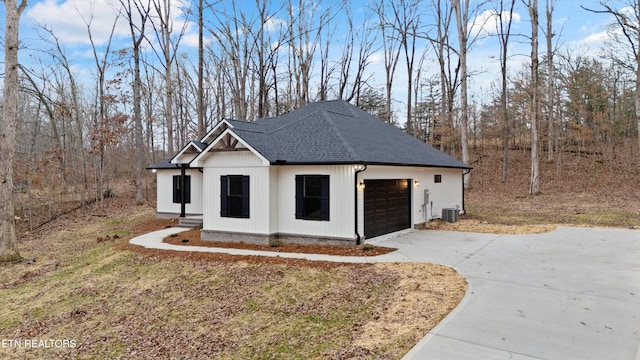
[{"x": 569, "y": 294}]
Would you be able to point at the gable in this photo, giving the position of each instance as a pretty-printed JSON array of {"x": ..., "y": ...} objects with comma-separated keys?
[
  {"x": 225, "y": 148},
  {"x": 216, "y": 131},
  {"x": 188, "y": 152}
]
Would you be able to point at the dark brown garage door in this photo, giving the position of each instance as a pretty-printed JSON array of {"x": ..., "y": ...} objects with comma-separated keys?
[{"x": 387, "y": 206}]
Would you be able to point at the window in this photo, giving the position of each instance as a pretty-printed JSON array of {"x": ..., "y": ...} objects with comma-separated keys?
[
  {"x": 177, "y": 194},
  {"x": 312, "y": 197},
  {"x": 437, "y": 178},
  {"x": 234, "y": 196}
]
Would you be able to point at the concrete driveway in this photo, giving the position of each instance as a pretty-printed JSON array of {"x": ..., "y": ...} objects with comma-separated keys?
[
  {"x": 570, "y": 294},
  {"x": 573, "y": 293}
]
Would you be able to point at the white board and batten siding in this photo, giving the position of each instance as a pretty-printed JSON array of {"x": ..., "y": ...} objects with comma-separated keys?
[
  {"x": 341, "y": 200},
  {"x": 446, "y": 194},
  {"x": 272, "y": 197},
  {"x": 165, "y": 205},
  {"x": 272, "y": 204},
  {"x": 243, "y": 163}
]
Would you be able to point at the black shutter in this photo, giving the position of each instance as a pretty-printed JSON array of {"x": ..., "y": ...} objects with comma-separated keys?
[
  {"x": 223, "y": 196},
  {"x": 324, "y": 197},
  {"x": 187, "y": 189},
  {"x": 176, "y": 189},
  {"x": 299, "y": 197},
  {"x": 245, "y": 196}
]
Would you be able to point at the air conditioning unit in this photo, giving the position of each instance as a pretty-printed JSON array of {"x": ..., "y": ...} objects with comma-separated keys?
[{"x": 450, "y": 215}]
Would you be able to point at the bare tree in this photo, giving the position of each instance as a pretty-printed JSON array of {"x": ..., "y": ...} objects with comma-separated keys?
[
  {"x": 462, "y": 19},
  {"x": 163, "y": 25},
  {"x": 233, "y": 33},
  {"x": 628, "y": 20},
  {"x": 357, "y": 49},
  {"x": 406, "y": 23},
  {"x": 100, "y": 114},
  {"x": 534, "y": 106},
  {"x": 268, "y": 40},
  {"x": 503, "y": 29},
  {"x": 137, "y": 36},
  {"x": 306, "y": 24},
  {"x": 465, "y": 41},
  {"x": 550, "y": 5},
  {"x": 8, "y": 240},
  {"x": 391, "y": 49},
  {"x": 200, "y": 108},
  {"x": 443, "y": 14}
]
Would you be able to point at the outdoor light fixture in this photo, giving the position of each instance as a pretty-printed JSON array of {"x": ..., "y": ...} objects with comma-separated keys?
[
  {"x": 416, "y": 183},
  {"x": 361, "y": 185}
]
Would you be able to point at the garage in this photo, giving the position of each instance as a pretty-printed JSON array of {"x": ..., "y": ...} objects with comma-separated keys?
[{"x": 387, "y": 206}]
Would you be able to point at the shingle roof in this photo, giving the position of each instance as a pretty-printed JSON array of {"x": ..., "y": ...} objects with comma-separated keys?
[
  {"x": 164, "y": 164},
  {"x": 199, "y": 144},
  {"x": 337, "y": 132}
]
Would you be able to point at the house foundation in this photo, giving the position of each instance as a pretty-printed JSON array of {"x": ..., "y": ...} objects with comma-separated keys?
[{"x": 273, "y": 239}]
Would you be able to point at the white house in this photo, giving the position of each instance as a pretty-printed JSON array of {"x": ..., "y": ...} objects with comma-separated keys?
[{"x": 325, "y": 173}]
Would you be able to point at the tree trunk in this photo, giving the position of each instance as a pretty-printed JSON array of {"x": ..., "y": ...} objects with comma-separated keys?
[
  {"x": 637, "y": 96},
  {"x": 462, "y": 15},
  {"x": 503, "y": 37},
  {"x": 168, "y": 81},
  {"x": 137, "y": 119},
  {"x": 535, "y": 175},
  {"x": 137, "y": 36},
  {"x": 391, "y": 56},
  {"x": 201, "y": 127},
  {"x": 550, "y": 81},
  {"x": 8, "y": 123}
]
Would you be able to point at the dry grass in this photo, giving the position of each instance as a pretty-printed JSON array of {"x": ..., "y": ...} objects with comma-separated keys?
[
  {"x": 79, "y": 284},
  {"x": 576, "y": 190},
  {"x": 478, "y": 226}
]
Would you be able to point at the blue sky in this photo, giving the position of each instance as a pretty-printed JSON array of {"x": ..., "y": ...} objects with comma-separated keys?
[{"x": 580, "y": 31}]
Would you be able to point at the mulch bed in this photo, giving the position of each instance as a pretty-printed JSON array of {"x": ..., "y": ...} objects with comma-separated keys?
[{"x": 192, "y": 238}]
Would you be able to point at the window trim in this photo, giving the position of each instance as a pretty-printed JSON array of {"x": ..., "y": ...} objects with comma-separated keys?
[
  {"x": 437, "y": 178},
  {"x": 324, "y": 197},
  {"x": 225, "y": 204}
]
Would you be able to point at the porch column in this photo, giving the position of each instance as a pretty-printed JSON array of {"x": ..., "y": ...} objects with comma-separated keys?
[{"x": 182, "y": 191}]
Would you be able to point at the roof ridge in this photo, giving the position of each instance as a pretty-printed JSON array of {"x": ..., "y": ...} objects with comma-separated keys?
[
  {"x": 256, "y": 131},
  {"x": 288, "y": 123},
  {"x": 337, "y": 132},
  {"x": 340, "y": 113}
]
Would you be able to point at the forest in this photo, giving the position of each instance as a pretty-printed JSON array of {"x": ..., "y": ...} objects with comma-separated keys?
[{"x": 78, "y": 130}]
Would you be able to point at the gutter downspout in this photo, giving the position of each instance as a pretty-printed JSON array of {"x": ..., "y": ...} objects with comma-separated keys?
[
  {"x": 464, "y": 211},
  {"x": 355, "y": 202}
]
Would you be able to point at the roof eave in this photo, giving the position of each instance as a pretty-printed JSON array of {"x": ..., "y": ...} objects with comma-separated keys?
[{"x": 285, "y": 162}]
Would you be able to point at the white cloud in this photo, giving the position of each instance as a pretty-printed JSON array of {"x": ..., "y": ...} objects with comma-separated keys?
[
  {"x": 596, "y": 38},
  {"x": 68, "y": 19},
  {"x": 190, "y": 39},
  {"x": 65, "y": 19},
  {"x": 376, "y": 58},
  {"x": 274, "y": 24},
  {"x": 488, "y": 22}
]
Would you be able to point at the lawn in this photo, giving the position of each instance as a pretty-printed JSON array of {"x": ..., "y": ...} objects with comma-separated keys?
[{"x": 81, "y": 293}]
